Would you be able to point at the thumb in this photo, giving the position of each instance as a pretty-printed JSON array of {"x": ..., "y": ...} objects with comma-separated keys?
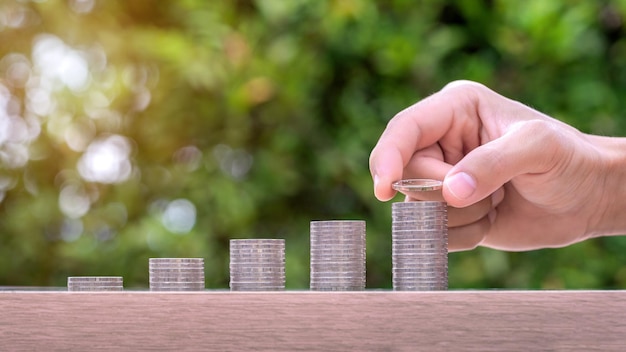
[{"x": 527, "y": 147}]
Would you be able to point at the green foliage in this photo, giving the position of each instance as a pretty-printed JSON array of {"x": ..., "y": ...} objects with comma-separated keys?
[{"x": 262, "y": 115}]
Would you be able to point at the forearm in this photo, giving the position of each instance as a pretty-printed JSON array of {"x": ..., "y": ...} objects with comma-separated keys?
[{"x": 611, "y": 217}]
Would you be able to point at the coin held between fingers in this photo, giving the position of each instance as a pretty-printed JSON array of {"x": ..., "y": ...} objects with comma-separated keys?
[{"x": 417, "y": 186}]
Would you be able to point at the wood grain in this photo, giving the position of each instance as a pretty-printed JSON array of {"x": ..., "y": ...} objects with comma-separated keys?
[{"x": 290, "y": 321}]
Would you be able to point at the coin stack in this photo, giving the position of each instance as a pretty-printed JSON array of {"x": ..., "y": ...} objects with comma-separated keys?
[
  {"x": 176, "y": 274},
  {"x": 337, "y": 255},
  {"x": 95, "y": 283},
  {"x": 420, "y": 246},
  {"x": 257, "y": 265}
]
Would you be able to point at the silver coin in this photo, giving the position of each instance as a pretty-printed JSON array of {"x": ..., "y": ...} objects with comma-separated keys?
[
  {"x": 276, "y": 261},
  {"x": 260, "y": 248},
  {"x": 419, "y": 249},
  {"x": 257, "y": 250},
  {"x": 405, "y": 256},
  {"x": 94, "y": 284},
  {"x": 420, "y": 265},
  {"x": 403, "y": 280},
  {"x": 420, "y": 238},
  {"x": 335, "y": 279},
  {"x": 81, "y": 288},
  {"x": 257, "y": 264},
  {"x": 413, "y": 248},
  {"x": 254, "y": 254},
  {"x": 337, "y": 288},
  {"x": 251, "y": 268},
  {"x": 417, "y": 238},
  {"x": 272, "y": 241},
  {"x": 405, "y": 262},
  {"x": 176, "y": 284},
  {"x": 337, "y": 240},
  {"x": 417, "y": 185},
  {"x": 344, "y": 236},
  {"x": 94, "y": 279},
  {"x": 416, "y": 213},
  {"x": 422, "y": 272},
  {"x": 420, "y": 225},
  {"x": 315, "y": 262},
  {"x": 173, "y": 268},
  {"x": 406, "y": 282},
  {"x": 257, "y": 259},
  {"x": 258, "y": 283},
  {"x": 236, "y": 287},
  {"x": 346, "y": 255},
  {"x": 337, "y": 246},
  {"x": 176, "y": 260},
  {"x": 341, "y": 258},
  {"x": 338, "y": 223},
  {"x": 409, "y": 272},
  {"x": 338, "y": 265},
  {"x": 420, "y": 243},
  {"x": 337, "y": 249},
  {"x": 417, "y": 209},
  {"x": 329, "y": 246},
  {"x": 425, "y": 221},
  {"x": 257, "y": 275},
  {"x": 264, "y": 281},
  {"x": 176, "y": 270},
  {"x": 176, "y": 289}
]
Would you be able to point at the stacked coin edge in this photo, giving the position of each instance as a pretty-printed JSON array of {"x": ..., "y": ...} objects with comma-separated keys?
[
  {"x": 257, "y": 264},
  {"x": 337, "y": 255},
  {"x": 176, "y": 274}
]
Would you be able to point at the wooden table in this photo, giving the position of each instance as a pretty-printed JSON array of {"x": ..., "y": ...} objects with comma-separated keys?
[{"x": 303, "y": 320}]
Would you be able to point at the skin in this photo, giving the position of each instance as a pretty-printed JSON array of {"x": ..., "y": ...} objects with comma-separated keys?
[{"x": 514, "y": 179}]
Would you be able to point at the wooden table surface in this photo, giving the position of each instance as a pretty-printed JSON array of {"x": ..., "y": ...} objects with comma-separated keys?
[{"x": 303, "y": 320}]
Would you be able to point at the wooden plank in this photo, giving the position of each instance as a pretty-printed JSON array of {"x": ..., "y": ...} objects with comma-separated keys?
[{"x": 289, "y": 321}]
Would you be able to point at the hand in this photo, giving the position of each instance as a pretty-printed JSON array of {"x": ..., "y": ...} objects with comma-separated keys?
[{"x": 514, "y": 178}]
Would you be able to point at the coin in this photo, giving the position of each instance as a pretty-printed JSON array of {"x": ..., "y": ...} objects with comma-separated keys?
[
  {"x": 417, "y": 185},
  {"x": 95, "y": 283}
]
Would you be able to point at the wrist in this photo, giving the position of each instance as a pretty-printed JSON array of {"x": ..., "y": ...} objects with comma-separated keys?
[{"x": 610, "y": 219}]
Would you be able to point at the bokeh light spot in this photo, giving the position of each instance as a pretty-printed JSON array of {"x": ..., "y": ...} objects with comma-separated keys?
[
  {"x": 106, "y": 160},
  {"x": 179, "y": 216}
]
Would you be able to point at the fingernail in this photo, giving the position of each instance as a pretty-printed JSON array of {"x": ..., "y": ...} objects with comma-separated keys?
[{"x": 461, "y": 185}]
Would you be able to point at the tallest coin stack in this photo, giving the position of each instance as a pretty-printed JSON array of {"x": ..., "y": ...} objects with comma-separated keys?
[{"x": 420, "y": 246}]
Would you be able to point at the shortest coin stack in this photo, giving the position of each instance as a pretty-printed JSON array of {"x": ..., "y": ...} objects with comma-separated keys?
[
  {"x": 95, "y": 283},
  {"x": 176, "y": 274},
  {"x": 257, "y": 265}
]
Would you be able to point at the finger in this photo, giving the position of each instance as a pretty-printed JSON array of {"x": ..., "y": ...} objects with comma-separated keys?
[
  {"x": 463, "y": 216},
  {"x": 426, "y": 164},
  {"x": 468, "y": 237},
  {"x": 521, "y": 150},
  {"x": 470, "y": 214},
  {"x": 413, "y": 129}
]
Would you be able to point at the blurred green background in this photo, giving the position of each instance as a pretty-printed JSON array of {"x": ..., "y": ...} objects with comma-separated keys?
[{"x": 138, "y": 129}]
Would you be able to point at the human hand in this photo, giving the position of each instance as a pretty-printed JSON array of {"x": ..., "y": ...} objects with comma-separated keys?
[{"x": 514, "y": 178}]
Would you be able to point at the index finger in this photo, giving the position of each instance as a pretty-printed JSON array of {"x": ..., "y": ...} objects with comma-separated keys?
[{"x": 413, "y": 129}]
